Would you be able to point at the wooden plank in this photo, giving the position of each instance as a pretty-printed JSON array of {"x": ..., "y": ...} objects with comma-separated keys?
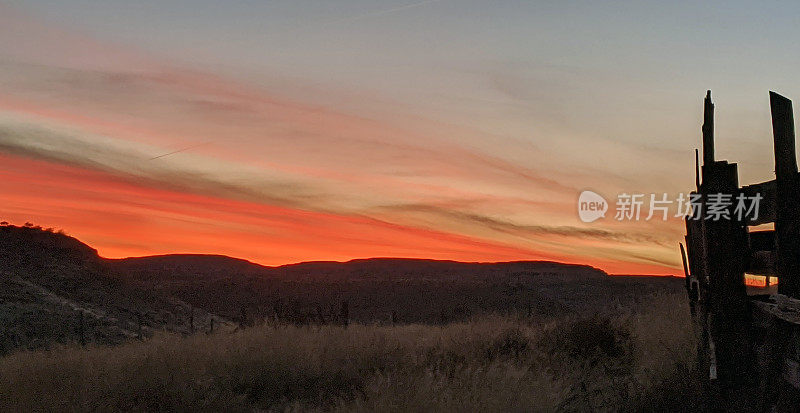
[
  {"x": 695, "y": 244},
  {"x": 692, "y": 286},
  {"x": 762, "y": 240},
  {"x": 781, "y": 307},
  {"x": 762, "y": 253},
  {"x": 783, "y": 133},
  {"x": 787, "y": 221},
  {"x": 727, "y": 253},
  {"x": 771, "y": 371},
  {"x": 786, "y": 302},
  {"x": 767, "y": 208},
  {"x": 767, "y": 205},
  {"x": 762, "y": 263}
]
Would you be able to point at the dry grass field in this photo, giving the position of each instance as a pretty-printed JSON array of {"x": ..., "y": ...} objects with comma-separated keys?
[{"x": 635, "y": 359}]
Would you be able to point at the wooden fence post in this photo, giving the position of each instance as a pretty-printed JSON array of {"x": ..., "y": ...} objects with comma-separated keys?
[
  {"x": 708, "y": 130},
  {"x": 726, "y": 243},
  {"x": 787, "y": 222}
]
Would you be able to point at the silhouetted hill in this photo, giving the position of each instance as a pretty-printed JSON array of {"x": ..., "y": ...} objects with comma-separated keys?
[
  {"x": 49, "y": 279},
  {"x": 198, "y": 267},
  {"x": 419, "y": 269},
  {"x": 52, "y": 286},
  {"x": 25, "y": 246},
  {"x": 186, "y": 267},
  {"x": 415, "y": 290}
]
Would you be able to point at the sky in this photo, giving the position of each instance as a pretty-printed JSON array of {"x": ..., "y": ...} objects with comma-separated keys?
[{"x": 287, "y": 131}]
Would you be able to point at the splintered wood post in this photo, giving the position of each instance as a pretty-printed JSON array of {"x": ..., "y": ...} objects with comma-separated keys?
[
  {"x": 687, "y": 277},
  {"x": 345, "y": 313},
  {"x": 696, "y": 278},
  {"x": 81, "y": 329},
  {"x": 211, "y": 327},
  {"x": 696, "y": 170},
  {"x": 708, "y": 130},
  {"x": 726, "y": 252},
  {"x": 691, "y": 287},
  {"x": 685, "y": 265},
  {"x": 787, "y": 222},
  {"x": 726, "y": 248},
  {"x": 139, "y": 333},
  {"x": 775, "y": 349}
]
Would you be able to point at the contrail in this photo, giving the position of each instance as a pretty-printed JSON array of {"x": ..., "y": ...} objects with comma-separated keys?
[{"x": 178, "y": 151}]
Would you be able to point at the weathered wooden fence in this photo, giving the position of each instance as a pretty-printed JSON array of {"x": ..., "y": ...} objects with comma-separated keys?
[{"x": 749, "y": 343}]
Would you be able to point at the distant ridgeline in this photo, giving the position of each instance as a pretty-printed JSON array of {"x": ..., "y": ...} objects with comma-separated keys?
[{"x": 56, "y": 289}]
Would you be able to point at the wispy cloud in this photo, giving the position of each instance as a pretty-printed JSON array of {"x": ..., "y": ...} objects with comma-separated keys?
[
  {"x": 527, "y": 230},
  {"x": 103, "y": 109},
  {"x": 129, "y": 160}
]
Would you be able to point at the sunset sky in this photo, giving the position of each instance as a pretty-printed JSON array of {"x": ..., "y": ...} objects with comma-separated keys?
[{"x": 296, "y": 130}]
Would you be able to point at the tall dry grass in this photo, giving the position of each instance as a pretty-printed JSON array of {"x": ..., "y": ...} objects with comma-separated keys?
[{"x": 634, "y": 360}]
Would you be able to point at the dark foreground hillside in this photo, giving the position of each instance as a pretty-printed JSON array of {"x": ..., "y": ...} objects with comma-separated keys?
[
  {"x": 635, "y": 359},
  {"x": 55, "y": 289}
]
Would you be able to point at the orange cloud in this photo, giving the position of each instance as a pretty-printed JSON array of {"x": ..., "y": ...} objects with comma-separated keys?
[
  {"x": 277, "y": 180},
  {"x": 121, "y": 219}
]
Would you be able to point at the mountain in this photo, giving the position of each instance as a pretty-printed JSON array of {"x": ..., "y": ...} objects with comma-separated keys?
[
  {"x": 417, "y": 289},
  {"x": 56, "y": 289}
]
